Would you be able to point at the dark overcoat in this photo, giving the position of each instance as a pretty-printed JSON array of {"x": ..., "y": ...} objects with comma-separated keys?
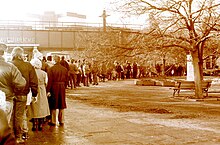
[{"x": 57, "y": 76}]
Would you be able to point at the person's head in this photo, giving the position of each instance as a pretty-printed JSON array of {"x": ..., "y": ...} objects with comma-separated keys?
[
  {"x": 73, "y": 60},
  {"x": 17, "y": 52},
  {"x": 44, "y": 59},
  {"x": 37, "y": 54},
  {"x": 3, "y": 49},
  {"x": 56, "y": 58},
  {"x": 63, "y": 58},
  {"x": 36, "y": 63},
  {"x": 49, "y": 58}
]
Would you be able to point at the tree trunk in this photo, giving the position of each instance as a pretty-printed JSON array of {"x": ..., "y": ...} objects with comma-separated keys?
[
  {"x": 197, "y": 75},
  {"x": 163, "y": 67}
]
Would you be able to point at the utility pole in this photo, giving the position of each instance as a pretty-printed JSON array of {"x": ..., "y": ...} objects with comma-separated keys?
[{"x": 104, "y": 16}]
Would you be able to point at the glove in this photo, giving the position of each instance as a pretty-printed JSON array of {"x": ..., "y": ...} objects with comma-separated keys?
[
  {"x": 33, "y": 99},
  {"x": 48, "y": 94}
]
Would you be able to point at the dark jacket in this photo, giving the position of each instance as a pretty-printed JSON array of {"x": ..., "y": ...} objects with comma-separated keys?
[
  {"x": 30, "y": 76},
  {"x": 65, "y": 64},
  {"x": 11, "y": 80},
  {"x": 57, "y": 76}
]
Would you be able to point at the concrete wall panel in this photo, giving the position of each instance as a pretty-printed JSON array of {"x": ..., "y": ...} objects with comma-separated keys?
[
  {"x": 68, "y": 40},
  {"x": 42, "y": 38},
  {"x": 55, "y": 39}
]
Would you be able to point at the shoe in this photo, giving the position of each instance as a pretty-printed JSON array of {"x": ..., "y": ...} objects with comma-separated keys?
[
  {"x": 51, "y": 124},
  {"x": 20, "y": 141},
  {"x": 25, "y": 136}
]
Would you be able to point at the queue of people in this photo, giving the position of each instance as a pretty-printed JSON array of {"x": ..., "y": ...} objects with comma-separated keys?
[
  {"x": 33, "y": 91},
  {"x": 86, "y": 73}
]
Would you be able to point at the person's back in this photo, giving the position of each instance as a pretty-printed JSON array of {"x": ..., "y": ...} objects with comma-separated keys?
[
  {"x": 73, "y": 69},
  {"x": 45, "y": 66},
  {"x": 20, "y": 99},
  {"x": 11, "y": 81},
  {"x": 57, "y": 70},
  {"x": 29, "y": 74},
  {"x": 64, "y": 63},
  {"x": 57, "y": 76}
]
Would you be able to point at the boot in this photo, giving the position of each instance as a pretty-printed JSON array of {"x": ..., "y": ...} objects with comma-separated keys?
[
  {"x": 34, "y": 128},
  {"x": 25, "y": 136},
  {"x": 40, "y": 124}
]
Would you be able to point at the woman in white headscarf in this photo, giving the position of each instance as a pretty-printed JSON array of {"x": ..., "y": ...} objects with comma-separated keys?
[{"x": 40, "y": 109}]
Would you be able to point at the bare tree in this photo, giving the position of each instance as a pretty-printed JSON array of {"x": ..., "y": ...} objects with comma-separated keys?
[{"x": 187, "y": 24}]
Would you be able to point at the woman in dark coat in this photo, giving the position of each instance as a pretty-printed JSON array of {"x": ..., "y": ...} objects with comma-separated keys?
[{"x": 57, "y": 76}]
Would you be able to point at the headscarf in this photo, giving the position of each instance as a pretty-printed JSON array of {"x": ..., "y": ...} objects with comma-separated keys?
[{"x": 36, "y": 63}]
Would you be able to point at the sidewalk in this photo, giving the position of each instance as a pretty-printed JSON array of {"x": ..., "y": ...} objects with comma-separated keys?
[{"x": 88, "y": 124}]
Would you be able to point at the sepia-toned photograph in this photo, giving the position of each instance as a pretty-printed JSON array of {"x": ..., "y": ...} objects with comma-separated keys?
[{"x": 110, "y": 72}]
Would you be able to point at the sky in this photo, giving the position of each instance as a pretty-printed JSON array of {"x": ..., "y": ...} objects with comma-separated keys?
[{"x": 22, "y": 9}]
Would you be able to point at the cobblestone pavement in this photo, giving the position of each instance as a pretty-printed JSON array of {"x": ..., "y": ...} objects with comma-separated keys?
[{"x": 108, "y": 114}]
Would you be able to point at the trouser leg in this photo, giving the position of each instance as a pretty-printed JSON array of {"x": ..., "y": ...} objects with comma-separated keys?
[
  {"x": 25, "y": 121},
  {"x": 35, "y": 122},
  {"x": 71, "y": 81},
  {"x": 74, "y": 80},
  {"x": 95, "y": 79},
  {"x": 19, "y": 109},
  {"x": 9, "y": 110},
  {"x": 53, "y": 116},
  {"x": 61, "y": 116},
  {"x": 40, "y": 124}
]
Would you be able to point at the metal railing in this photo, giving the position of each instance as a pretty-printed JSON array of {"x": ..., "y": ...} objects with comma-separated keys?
[{"x": 49, "y": 25}]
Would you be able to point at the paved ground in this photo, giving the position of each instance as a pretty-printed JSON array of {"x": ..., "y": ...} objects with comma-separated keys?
[{"x": 120, "y": 113}]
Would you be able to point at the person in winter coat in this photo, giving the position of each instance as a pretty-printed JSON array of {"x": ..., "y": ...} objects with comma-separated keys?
[
  {"x": 95, "y": 71},
  {"x": 64, "y": 63},
  {"x": 20, "y": 100},
  {"x": 57, "y": 76},
  {"x": 11, "y": 81},
  {"x": 73, "y": 71},
  {"x": 40, "y": 109}
]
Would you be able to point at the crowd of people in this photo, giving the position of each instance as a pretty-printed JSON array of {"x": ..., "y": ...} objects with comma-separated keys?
[
  {"x": 31, "y": 94},
  {"x": 35, "y": 89},
  {"x": 85, "y": 72}
]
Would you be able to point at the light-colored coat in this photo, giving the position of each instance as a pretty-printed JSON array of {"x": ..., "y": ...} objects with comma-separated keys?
[{"x": 40, "y": 108}]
